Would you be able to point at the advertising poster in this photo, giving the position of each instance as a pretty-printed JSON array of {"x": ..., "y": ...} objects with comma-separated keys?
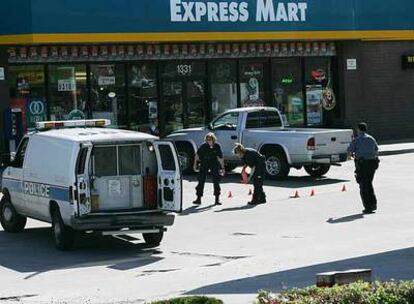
[
  {"x": 35, "y": 112},
  {"x": 251, "y": 79},
  {"x": 66, "y": 79},
  {"x": 314, "y": 104},
  {"x": 106, "y": 75}
]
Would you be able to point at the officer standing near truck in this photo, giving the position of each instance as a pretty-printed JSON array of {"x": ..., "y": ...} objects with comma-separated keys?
[
  {"x": 364, "y": 150},
  {"x": 210, "y": 157},
  {"x": 256, "y": 162}
]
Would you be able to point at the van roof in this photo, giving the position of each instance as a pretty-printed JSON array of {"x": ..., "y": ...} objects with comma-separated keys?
[{"x": 96, "y": 135}]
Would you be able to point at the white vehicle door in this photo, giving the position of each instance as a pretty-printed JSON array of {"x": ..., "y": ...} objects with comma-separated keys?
[
  {"x": 227, "y": 130},
  {"x": 169, "y": 177},
  {"x": 83, "y": 197},
  {"x": 13, "y": 177}
]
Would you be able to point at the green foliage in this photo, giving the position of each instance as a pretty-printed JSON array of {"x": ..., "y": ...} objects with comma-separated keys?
[
  {"x": 190, "y": 300},
  {"x": 357, "y": 293}
]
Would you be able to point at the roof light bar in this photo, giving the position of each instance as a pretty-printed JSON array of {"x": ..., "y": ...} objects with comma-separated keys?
[{"x": 48, "y": 125}]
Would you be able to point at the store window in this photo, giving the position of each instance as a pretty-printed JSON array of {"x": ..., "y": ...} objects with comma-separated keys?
[
  {"x": 252, "y": 83},
  {"x": 320, "y": 97},
  {"x": 223, "y": 79},
  {"x": 28, "y": 93},
  {"x": 143, "y": 98},
  {"x": 288, "y": 89},
  {"x": 68, "y": 92},
  {"x": 108, "y": 93}
]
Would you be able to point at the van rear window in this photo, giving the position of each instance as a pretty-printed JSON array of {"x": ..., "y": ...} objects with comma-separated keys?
[
  {"x": 117, "y": 160},
  {"x": 105, "y": 161},
  {"x": 129, "y": 160}
]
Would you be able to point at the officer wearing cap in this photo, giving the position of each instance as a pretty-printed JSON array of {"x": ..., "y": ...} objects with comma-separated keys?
[
  {"x": 256, "y": 162},
  {"x": 210, "y": 157},
  {"x": 364, "y": 150}
]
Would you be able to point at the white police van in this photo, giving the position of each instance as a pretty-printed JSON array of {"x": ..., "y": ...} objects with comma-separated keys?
[{"x": 80, "y": 176}]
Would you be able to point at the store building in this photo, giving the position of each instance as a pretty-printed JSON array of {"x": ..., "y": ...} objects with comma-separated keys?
[{"x": 157, "y": 66}]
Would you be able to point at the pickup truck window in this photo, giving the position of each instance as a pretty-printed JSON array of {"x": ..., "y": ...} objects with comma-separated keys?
[
  {"x": 263, "y": 119},
  {"x": 228, "y": 121}
]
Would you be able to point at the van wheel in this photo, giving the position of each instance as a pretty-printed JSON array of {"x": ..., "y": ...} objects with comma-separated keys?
[
  {"x": 186, "y": 157},
  {"x": 317, "y": 170},
  {"x": 153, "y": 239},
  {"x": 9, "y": 218},
  {"x": 64, "y": 235},
  {"x": 276, "y": 164}
]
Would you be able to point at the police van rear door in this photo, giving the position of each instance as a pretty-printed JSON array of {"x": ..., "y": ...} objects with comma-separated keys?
[
  {"x": 83, "y": 194},
  {"x": 169, "y": 177}
]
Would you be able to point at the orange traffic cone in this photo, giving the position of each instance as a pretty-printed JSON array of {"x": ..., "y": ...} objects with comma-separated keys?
[
  {"x": 230, "y": 195},
  {"x": 312, "y": 193},
  {"x": 343, "y": 188},
  {"x": 296, "y": 194},
  {"x": 250, "y": 191}
]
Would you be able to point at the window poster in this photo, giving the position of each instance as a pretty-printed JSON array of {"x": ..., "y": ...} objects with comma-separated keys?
[{"x": 314, "y": 105}]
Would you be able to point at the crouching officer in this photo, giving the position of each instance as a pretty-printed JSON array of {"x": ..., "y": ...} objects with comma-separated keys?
[
  {"x": 211, "y": 159},
  {"x": 364, "y": 149},
  {"x": 256, "y": 162}
]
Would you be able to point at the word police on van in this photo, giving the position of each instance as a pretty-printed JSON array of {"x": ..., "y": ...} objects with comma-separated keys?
[{"x": 80, "y": 176}]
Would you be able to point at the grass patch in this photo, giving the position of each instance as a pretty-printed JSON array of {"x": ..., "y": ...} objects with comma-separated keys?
[
  {"x": 357, "y": 293},
  {"x": 190, "y": 300}
]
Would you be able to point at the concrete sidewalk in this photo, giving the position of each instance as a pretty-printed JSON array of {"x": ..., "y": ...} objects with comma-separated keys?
[{"x": 396, "y": 147}]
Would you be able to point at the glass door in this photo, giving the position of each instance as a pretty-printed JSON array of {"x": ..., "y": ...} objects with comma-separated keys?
[
  {"x": 183, "y": 102},
  {"x": 194, "y": 98},
  {"x": 172, "y": 104}
]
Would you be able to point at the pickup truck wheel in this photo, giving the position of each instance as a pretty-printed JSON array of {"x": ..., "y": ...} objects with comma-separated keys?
[
  {"x": 153, "y": 239},
  {"x": 276, "y": 165},
  {"x": 10, "y": 219},
  {"x": 317, "y": 170},
  {"x": 64, "y": 235},
  {"x": 186, "y": 158}
]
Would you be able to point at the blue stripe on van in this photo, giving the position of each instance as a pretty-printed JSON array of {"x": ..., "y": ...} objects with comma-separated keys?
[{"x": 55, "y": 192}]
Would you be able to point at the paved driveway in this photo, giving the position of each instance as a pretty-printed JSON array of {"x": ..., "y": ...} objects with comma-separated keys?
[{"x": 229, "y": 251}]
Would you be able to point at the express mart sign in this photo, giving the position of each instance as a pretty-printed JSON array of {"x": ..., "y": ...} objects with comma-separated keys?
[{"x": 264, "y": 11}]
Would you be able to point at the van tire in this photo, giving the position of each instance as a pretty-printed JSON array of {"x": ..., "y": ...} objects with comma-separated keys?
[
  {"x": 317, "y": 170},
  {"x": 153, "y": 239},
  {"x": 64, "y": 236},
  {"x": 186, "y": 157},
  {"x": 277, "y": 166},
  {"x": 10, "y": 220}
]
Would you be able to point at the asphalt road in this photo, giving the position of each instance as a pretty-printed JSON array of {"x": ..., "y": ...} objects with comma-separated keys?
[{"x": 229, "y": 251}]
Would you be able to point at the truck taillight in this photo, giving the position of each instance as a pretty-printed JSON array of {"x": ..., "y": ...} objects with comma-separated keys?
[{"x": 311, "y": 144}]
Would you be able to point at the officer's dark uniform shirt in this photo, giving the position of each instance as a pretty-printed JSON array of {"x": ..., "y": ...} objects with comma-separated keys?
[
  {"x": 208, "y": 155},
  {"x": 252, "y": 158},
  {"x": 364, "y": 146}
]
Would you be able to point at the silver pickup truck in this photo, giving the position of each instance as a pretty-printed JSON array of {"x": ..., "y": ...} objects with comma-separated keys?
[{"x": 263, "y": 128}]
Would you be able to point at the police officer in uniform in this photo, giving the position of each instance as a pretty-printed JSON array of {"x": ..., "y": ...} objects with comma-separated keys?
[
  {"x": 256, "y": 162},
  {"x": 364, "y": 150},
  {"x": 211, "y": 159}
]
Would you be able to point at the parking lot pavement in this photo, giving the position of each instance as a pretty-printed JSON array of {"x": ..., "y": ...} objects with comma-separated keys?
[{"x": 229, "y": 251}]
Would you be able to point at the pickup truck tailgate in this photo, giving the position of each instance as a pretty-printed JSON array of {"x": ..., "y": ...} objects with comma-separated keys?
[{"x": 329, "y": 142}]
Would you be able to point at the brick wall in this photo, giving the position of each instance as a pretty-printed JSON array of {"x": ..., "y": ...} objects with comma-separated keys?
[{"x": 379, "y": 91}]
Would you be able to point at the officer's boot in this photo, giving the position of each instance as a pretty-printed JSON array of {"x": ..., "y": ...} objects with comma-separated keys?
[
  {"x": 262, "y": 198},
  {"x": 197, "y": 201},
  {"x": 254, "y": 199},
  {"x": 217, "y": 201}
]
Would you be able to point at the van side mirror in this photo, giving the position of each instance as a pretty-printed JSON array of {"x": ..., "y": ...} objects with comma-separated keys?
[
  {"x": 210, "y": 126},
  {"x": 12, "y": 156}
]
